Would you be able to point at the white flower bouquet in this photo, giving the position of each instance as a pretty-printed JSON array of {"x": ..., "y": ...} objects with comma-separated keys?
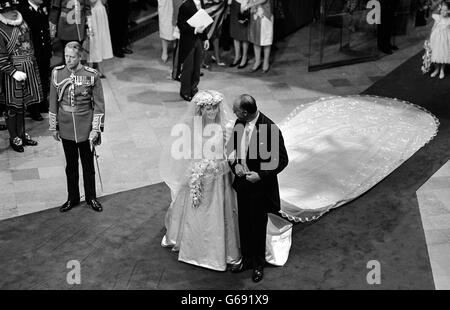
[
  {"x": 426, "y": 57},
  {"x": 201, "y": 170}
]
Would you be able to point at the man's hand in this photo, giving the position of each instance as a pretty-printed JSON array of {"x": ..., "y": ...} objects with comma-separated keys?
[
  {"x": 206, "y": 45},
  {"x": 56, "y": 135},
  {"x": 52, "y": 30},
  {"x": 199, "y": 29},
  {"x": 240, "y": 170},
  {"x": 93, "y": 138},
  {"x": 19, "y": 76},
  {"x": 252, "y": 177}
]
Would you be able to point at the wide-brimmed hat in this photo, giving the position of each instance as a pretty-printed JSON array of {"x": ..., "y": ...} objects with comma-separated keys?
[{"x": 8, "y": 4}]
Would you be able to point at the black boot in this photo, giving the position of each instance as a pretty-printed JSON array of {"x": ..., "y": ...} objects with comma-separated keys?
[
  {"x": 95, "y": 205},
  {"x": 69, "y": 204},
  {"x": 28, "y": 141},
  {"x": 16, "y": 144}
]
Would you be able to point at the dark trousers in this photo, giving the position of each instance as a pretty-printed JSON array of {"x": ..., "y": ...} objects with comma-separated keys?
[
  {"x": 190, "y": 70},
  {"x": 16, "y": 123},
  {"x": 385, "y": 30},
  {"x": 252, "y": 227},
  {"x": 73, "y": 151},
  {"x": 118, "y": 12}
]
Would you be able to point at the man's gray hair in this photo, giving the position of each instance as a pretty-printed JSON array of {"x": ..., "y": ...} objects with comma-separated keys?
[{"x": 74, "y": 45}]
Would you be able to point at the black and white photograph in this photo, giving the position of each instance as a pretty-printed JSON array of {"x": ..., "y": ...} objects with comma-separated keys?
[{"x": 224, "y": 150}]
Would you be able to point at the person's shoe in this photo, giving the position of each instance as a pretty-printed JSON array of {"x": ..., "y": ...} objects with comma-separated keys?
[
  {"x": 95, "y": 205},
  {"x": 241, "y": 267},
  {"x": 126, "y": 50},
  {"x": 219, "y": 63},
  {"x": 258, "y": 274},
  {"x": 16, "y": 144},
  {"x": 36, "y": 117},
  {"x": 267, "y": 69},
  {"x": 386, "y": 50},
  {"x": 3, "y": 127},
  {"x": 243, "y": 65},
  {"x": 28, "y": 141},
  {"x": 257, "y": 68},
  {"x": 205, "y": 66},
  {"x": 394, "y": 47},
  {"x": 234, "y": 64},
  {"x": 187, "y": 98},
  {"x": 69, "y": 204}
]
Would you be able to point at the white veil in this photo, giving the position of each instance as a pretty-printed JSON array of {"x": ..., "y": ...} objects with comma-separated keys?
[{"x": 189, "y": 135}]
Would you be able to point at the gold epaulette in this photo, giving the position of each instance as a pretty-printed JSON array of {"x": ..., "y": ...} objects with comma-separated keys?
[
  {"x": 60, "y": 67},
  {"x": 89, "y": 69}
]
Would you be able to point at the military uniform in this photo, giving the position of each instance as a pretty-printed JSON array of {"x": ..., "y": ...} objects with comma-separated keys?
[
  {"x": 17, "y": 54},
  {"x": 71, "y": 18},
  {"x": 37, "y": 20},
  {"x": 77, "y": 107}
]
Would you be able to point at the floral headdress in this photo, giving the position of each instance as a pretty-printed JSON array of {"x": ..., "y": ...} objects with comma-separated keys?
[{"x": 207, "y": 97}]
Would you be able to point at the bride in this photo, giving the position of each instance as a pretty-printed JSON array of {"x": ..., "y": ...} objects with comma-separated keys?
[{"x": 201, "y": 221}]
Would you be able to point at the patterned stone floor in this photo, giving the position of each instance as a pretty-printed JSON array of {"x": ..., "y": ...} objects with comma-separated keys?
[
  {"x": 434, "y": 203},
  {"x": 143, "y": 103}
]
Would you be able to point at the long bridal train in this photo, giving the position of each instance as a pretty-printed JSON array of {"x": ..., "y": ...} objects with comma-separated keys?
[{"x": 340, "y": 147}]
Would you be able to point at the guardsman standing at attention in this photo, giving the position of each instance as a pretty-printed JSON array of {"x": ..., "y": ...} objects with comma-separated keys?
[{"x": 76, "y": 117}]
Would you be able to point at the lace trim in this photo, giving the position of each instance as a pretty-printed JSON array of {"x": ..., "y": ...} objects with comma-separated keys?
[
  {"x": 52, "y": 121},
  {"x": 311, "y": 215},
  {"x": 8, "y": 21},
  {"x": 97, "y": 122}
]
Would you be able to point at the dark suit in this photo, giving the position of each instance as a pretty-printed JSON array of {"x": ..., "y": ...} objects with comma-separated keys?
[
  {"x": 40, "y": 36},
  {"x": 190, "y": 49},
  {"x": 118, "y": 12},
  {"x": 255, "y": 200},
  {"x": 385, "y": 30}
]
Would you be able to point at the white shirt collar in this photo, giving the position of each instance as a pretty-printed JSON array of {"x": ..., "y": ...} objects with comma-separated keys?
[
  {"x": 34, "y": 6},
  {"x": 253, "y": 122}
]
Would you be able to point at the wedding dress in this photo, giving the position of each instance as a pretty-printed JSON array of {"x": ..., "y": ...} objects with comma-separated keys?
[
  {"x": 202, "y": 220},
  {"x": 341, "y": 147}
]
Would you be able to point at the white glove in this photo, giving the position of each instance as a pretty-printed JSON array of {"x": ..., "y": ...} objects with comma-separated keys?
[{"x": 20, "y": 76}]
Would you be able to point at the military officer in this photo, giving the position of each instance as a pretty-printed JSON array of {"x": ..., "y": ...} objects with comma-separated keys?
[
  {"x": 35, "y": 13},
  {"x": 70, "y": 20},
  {"x": 76, "y": 117}
]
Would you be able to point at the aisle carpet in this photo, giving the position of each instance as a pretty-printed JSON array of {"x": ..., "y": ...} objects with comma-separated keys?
[{"x": 120, "y": 248}]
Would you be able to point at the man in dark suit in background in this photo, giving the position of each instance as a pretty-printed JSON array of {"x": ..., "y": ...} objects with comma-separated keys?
[
  {"x": 386, "y": 30},
  {"x": 191, "y": 45},
  {"x": 118, "y": 12},
  {"x": 259, "y": 155},
  {"x": 35, "y": 14}
]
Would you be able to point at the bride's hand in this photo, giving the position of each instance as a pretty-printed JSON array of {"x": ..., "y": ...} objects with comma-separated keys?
[{"x": 240, "y": 170}]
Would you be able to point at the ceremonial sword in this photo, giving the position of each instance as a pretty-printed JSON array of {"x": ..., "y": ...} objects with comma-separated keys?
[{"x": 98, "y": 168}]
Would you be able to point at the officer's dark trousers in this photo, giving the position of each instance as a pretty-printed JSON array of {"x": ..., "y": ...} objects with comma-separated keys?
[
  {"x": 190, "y": 70},
  {"x": 73, "y": 151},
  {"x": 252, "y": 225}
]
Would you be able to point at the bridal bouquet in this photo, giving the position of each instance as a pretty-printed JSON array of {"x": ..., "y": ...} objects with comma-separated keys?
[
  {"x": 200, "y": 170},
  {"x": 426, "y": 57}
]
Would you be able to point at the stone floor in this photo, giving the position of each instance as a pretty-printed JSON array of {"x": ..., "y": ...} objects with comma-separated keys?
[
  {"x": 434, "y": 203},
  {"x": 143, "y": 103}
]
